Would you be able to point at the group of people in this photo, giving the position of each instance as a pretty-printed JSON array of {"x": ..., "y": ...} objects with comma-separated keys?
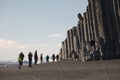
[
  {"x": 53, "y": 58},
  {"x": 30, "y": 57}
]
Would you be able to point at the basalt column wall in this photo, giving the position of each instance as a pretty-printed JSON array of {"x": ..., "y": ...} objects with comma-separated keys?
[
  {"x": 108, "y": 31},
  {"x": 100, "y": 24}
]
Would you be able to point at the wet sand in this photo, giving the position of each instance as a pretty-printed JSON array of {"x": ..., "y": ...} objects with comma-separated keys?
[{"x": 65, "y": 70}]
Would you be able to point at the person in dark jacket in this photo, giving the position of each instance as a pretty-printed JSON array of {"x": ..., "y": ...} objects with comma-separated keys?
[
  {"x": 41, "y": 58},
  {"x": 53, "y": 57},
  {"x": 36, "y": 57},
  {"x": 47, "y": 58},
  {"x": 30, "y": 59},
  {"x": 57, "y": 57}
]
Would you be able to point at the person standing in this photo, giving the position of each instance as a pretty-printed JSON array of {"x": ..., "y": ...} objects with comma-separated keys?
[
  {"x": 71, "y": 55},
  {"x": 41, "y": 58},
  {"x": 57, "y": 57},
  {"x": 53, "y": 57},
  {"x": 30, "y": 59},
  {"x": 19, "y": 61},
  {"x": 35, "y": 57},
  {"x": 74, "y": 55},
  {"x": 22, "y": 57},
  {"x": 47, "y": 58}
]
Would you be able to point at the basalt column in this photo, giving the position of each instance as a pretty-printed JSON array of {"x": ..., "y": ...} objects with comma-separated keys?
[
  {"x": 91, "y": 21},
  {"x": 85, "y": 29},
  {"x": 83, "y": 42},
  {"x": 60, "y": 54},
  {"x": 86, "y": 34},
  {"x": 79, "y": 33},
  {"x": 68, "y": 41},
  {"x": 79, "y": 36},
  {"x": 79, "y": 30},
  {"x": 94, "y": 19},
  {"x": 66, "y": 48},
  {"x": 116, "y": 8},
  {"x": 88, "y": 25},
  {"x": 71, "y": 40},
  {"x": 63, "y": 50},
  {"x": 76, "y": 40}
]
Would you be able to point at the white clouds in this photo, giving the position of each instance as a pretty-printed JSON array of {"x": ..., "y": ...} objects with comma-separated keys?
[
  {"x": 11, "y": 44},
  {"x": 55, "y": 35},
  {"x": 43, "y": 45},
  {"x": 24, "y": 46},
  {"x": 7, "y": 43}
]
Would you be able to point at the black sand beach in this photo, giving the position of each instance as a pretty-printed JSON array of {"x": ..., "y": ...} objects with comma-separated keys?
[{"x": 65, "y": 70}]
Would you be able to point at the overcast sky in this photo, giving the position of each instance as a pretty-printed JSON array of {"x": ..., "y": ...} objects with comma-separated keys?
[{"x": 29, "y": 25}]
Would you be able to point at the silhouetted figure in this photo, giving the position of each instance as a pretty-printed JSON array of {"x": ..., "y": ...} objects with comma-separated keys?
[
  {"x": 97, "y": 54},
  {"x": 47, "y": 58},
  {"x": 91, "y": 56},
  {"x": 75, "y": 56},
  {"x": 57, "y": 57},
  {"x": 30, "y": 59},
  {"x": 36, "y": 57},
  {"x": 41, "y": 58},
  {"x": 71, "y": 55},
  {"x": 53, "y": 57},
  {"x": 19, "y": 61},
  {"x": 22, "y": 57}
]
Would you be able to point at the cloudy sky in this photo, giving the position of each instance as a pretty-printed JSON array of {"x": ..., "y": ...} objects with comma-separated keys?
[{"x": 29, "y": 25}]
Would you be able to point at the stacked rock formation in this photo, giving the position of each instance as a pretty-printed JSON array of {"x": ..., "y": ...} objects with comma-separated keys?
[{"x": 97, "y": 34}]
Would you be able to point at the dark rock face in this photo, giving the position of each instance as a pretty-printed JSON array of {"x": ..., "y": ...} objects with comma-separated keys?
[{"x": 100, "y": 24}]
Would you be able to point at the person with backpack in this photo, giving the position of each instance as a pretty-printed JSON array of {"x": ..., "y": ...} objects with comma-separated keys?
[
  {"x": 19, "y": 61},
  {"x": 22, "y": 57}
]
